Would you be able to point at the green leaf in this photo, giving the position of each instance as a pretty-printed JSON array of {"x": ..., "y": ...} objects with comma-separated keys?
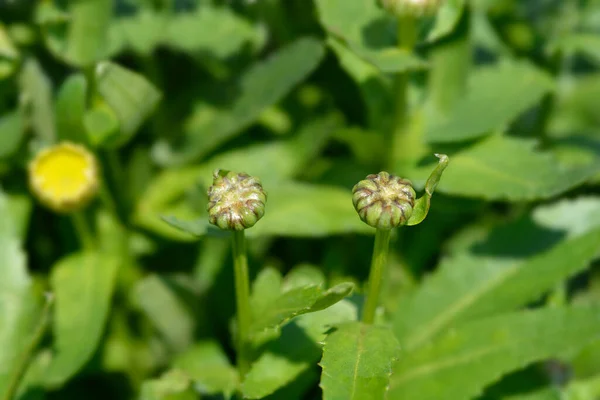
[
  {"x": 36, "y": 92},
  {"x": 130, "y": 96},
  {"x": 263, "y": 85},
  {"x": 272, "y": 162},
  {"x": 367, "y": 30},
  {"x": 495, "y": 97},
  {"x": 191, "y": 32},
  {"x": 295, "y": 351},
  {"x": 169, "y": 314},
  {"x": 461, "y": 363},
  {"x": 195, "y": 32},
  {"x": 83, "y": 284},
  {"x": 70, "y": 109},
  {"x": 467, "y": 287},
  {"x": 80, "y": 36},
  {"x": 207, "y": 366},
  {"x": 297, "y": 301},
  {"x": 586, "y": 44},
  {"x": 376, "y": 89},
  {"x": 357, "y": 362},
  {"x": 19, "y": 307},
  {"x": 446, "y": 20},
  {"x": 12, "y": 133},
  {"x": 506, "y": 168},
  {"x": 573, "y": 216},
  {"x": 173, "y": 385}
]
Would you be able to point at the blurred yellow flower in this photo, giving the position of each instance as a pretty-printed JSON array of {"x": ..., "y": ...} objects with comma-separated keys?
[{"x": 64, "y": 177}]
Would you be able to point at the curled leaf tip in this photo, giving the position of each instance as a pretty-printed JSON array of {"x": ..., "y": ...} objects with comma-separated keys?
[
  {"x": 384, "y": 201},
  {"x": 236, "y": 201},
  {"x": 423, "y": 203}
]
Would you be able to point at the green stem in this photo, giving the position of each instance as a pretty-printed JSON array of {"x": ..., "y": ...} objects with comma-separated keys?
[
  {"x": 378, "y": 264},
  {"x": 242, "y": 295},
  {"x": 83, "y": 230},
  {"x": 401, "y": 137},
  {"x": 27, "y": 355}
]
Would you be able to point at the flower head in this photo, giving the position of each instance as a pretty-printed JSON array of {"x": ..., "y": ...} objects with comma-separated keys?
[
  {"x": 64, "y": 177},
  {"x": 415, "y": 8},
  {"x": 384, "y": 201},
  {"x": 236, "y": 201}
]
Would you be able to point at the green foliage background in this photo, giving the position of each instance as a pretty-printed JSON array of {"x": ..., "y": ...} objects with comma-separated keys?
[{"x": 495, "y": 296}]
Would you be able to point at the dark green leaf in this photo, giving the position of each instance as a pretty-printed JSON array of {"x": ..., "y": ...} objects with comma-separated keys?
[
  {"x": 495, "y": 97},
  {"x": 261, "y": 86},
  {"x": 70, "y": 109},
  {"x": 12, "y": 132},
  {"x": 130, "y": 96}
]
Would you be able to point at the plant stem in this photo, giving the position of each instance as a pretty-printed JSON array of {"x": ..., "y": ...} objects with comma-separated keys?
[
  {"x": 242, "y": 295},
  {"x": 401, "y": 138},
  {"x": 83, "y": 230},
  {"x": 26, "y": 356},
  {"x": 378, "y": 264}
]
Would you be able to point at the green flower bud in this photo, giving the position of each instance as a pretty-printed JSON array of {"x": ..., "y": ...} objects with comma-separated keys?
[
  {"x": 414, "y": 8},
  {"x": 235, "y": 201},
  {"x": 384, "y": 201}
]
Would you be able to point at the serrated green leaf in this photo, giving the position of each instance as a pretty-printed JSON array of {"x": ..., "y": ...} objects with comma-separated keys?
[
  {"x": 467, "y": 287},
  {"x": 173, "y": 385},
  {"x": 297, "y": 301},
  {"x": 295, "y": 351},
  {"x": 208, "y": 367},
  {"x": 495, "y": 97},
  {"x": 461, "y": 363},
  {"x": 70, "y": 109},
  {"x": 263, "y": 85},
  {"x": 83, "y": 284},
  {"x": 162, "y": 305},
  {"x": 357, "y": 362},
  {"x": 130, "y": 96},
  {"x": 12, "y": 133},
  {"x": 506, "y": 168},
  {"x": 19, "y": 307}
]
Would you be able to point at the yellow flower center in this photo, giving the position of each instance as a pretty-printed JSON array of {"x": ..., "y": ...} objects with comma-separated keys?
[{"x": 64, "y": 176}]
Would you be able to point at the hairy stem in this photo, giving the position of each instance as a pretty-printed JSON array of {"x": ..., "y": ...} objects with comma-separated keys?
[
  {"x": 82, "y": 227},
  {"x": 378, "y": 264},
  {"x": 242, "y": 295}
]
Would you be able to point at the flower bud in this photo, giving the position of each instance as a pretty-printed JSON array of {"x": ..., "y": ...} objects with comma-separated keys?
[
  {"x": 384, "y": 201},
  {"x": 414, "y": 8},
  {"x": 235, "y": 201},
  {"x": 64, "y": 177}
]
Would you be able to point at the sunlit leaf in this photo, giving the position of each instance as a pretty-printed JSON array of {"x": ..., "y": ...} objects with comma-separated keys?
[{"x": 357, "y": 362}]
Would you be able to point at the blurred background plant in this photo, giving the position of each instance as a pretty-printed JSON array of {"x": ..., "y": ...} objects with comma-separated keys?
[{"x": 311, "y": 96}]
